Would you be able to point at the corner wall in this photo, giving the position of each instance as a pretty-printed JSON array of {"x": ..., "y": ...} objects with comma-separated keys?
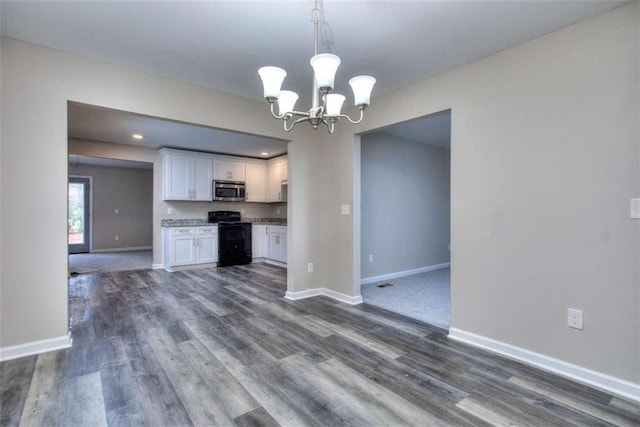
[
  {"x": 544, "y": 161},
  {"x": 36, "y": 85}
]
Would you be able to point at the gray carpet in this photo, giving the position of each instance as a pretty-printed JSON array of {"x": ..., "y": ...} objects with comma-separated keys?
[
  {"x": 109, "y": 261},
  {"x": 425, "y": 296}
]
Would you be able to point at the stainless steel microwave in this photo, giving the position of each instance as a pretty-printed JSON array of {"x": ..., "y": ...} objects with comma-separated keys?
[{"x": 228, "y": 191}]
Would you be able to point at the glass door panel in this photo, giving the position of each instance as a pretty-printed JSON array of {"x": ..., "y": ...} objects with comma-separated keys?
[{"x": 78, "y": 227}]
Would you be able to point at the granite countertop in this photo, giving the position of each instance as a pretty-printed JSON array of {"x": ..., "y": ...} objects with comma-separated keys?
[{"x": 198, "y": 222}]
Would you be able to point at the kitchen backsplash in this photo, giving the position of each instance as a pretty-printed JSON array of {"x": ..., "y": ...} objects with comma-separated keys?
[{"x": 200, "y": 209}]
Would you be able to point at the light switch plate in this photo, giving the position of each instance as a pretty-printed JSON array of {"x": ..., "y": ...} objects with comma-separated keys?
[{"x": 635, "y": 208}]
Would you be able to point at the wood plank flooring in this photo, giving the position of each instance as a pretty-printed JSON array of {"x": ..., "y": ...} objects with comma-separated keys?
[{"x": 222, "y": 347}]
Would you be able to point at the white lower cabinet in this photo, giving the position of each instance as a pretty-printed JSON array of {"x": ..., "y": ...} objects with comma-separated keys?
[
  {"x": 269, "y": 242},
  {"x": 278, "y": 243},
  {"x": 185, "y": 246},
  {"x": 259, "y": 241}
]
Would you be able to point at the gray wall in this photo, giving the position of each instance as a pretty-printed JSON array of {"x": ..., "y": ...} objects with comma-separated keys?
[
  {"x": 405, "y": 217},
  {"x": 128, "y": 190}
]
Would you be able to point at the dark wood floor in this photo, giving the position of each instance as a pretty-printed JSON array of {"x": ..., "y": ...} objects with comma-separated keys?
[{"x": 223, "y": 347}]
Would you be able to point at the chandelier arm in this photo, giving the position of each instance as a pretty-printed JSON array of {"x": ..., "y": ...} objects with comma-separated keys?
[
  {"x": 300, "y": 120},
  {"x": 287, "y": 115},
  {"x": 330, "y": 125},
  {"x": 355, "y": 122},
  {"x": 273, "y": 113}
]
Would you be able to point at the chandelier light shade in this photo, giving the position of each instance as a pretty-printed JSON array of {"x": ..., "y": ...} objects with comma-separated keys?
[
  {"x": 362, "y": 86},
  {"x": 286, "y": 102},
  {"x": 324, "y": 67},
  {"x": 272, "y": 78},
  {"x": 333, "y": 102}
]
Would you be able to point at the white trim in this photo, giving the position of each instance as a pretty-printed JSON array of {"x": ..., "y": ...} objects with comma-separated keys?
[
  {"x": 602, "y": 381},
  {"x": 189, "y": 267},
  {"x": 35, "y": 347},
  {"x": 274, "y": 262},
  {"x": 308, "y": 293},
  {"x": 129, "y": 249},
  {"x": 157, "y": 266},
  {"x": 398, "y": 274}
]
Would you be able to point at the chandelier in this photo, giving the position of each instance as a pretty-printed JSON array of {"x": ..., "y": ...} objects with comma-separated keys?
[{"x": 324, "y": 66}]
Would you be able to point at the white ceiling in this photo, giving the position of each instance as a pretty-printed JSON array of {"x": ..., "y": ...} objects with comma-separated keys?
[
  {"x": 221, "y": 44},
  {"x": 102, "y": 124}
]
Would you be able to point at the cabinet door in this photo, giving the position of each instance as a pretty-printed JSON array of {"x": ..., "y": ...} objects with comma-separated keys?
[
  {"x": 202, "y": 177},
  {"x": 256, "y": 182},
  {"x": 176, "y": 178},
  {"x": 206, "y": 248},
  {"x": 265, "y": 241},
  {"x": 257, "y": 236},
  {"x": 229, "y": 171},
  {"x": 237, "y": 171},
  {"x": 274, "y": 184},
  {"x": 283, "y": 247},
  {"x": 278, "y": 243},
  {"x": 182, "y": 250},
  {"x": 285, "y": 169}
]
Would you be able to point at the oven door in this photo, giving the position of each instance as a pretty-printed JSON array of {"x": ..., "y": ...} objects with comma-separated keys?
[{"x": 234, "y": 244}]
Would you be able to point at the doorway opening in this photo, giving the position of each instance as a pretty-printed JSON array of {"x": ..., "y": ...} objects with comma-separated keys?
[
  {"x": 406, "y": 218},
  {"x": 110, "y": 214}
]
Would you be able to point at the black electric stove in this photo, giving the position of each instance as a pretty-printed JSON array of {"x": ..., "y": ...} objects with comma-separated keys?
[{"x": 234, "y": 238}]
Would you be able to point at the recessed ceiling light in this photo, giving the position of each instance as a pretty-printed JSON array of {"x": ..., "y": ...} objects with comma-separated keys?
[
  {"x": 137, "y": 136},
  {"x": 264, "y": 153}
]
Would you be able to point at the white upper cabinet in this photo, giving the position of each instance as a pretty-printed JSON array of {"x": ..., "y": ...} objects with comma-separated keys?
[
  {"x": 285, "y": 169},
  {"x": 275, "y": 175},
  {"x": 256, "y": 182},
  {"x": 228, "y": 170},
  {"x": 186, "y": 177}
]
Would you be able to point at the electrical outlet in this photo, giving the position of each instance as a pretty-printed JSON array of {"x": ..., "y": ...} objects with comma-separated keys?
[
  {"x": 575, "y": 319},
  {"x": 345, "y": 209},
  {"x": 116, "y": 237},
  {"x": 370, "y": 257},
  {"x": 310, "y": 267},
  {"x": 241, "y": 211},
  {"x": 170, "y": 211},
  {"x": 116, "y": 211}
]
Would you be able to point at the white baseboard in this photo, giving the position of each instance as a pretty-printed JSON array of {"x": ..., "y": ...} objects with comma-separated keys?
[
  {"x": 35, "y": 347},
  {"x": 137, "y": 248},
  {"x": 308, "y": 293},
  {"x": 274, "y": 262},
  {"x": 157, "y": 266},
  {"x": 586, "y": 376},
  {"x": 398, "y": 274},
  {"x": 190, "y": 267}
]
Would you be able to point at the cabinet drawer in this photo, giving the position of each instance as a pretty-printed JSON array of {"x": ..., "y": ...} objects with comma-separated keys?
[
  {"x": 179, "y": 231},
  {"x": 207, "y": 231}
]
